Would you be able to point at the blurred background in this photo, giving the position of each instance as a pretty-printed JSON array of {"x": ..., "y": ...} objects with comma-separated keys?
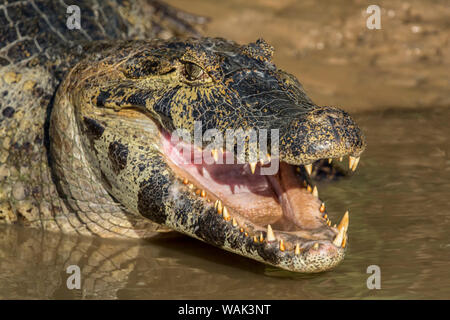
[{"x": 339, "y": 61}]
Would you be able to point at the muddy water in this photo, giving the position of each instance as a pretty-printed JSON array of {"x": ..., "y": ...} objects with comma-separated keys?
[{"x": 398, "y": 198}]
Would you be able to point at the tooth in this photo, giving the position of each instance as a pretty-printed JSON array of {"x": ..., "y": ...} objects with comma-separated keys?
[
  {"x": 215, "y": 154},
  {"x": 261, "y": 162},
  {"x": 342, "y": 227},
  {"x": 330, "y": 160},
  {"x": 308, "y": 168},
  {"x": 344, "y": 222},
  {"x": 339, "y": 238},
  {"x": 191, "y": 186},
  {"x": 246, "y": 234},
  {"x": 253, "y": 167},
  {"x": 322, "y": 208},
  {"x": 185, "y": 181},
  {"x": 226, "y": 215},
  {"x": 351, "y": 160},
  {"x": 241, "y": 230},
  {"x": 261, "y": 237},
  {"x": 315, "y": 192},
  {"x": 270, "y": 234},
  {"x": 355, "y": 164},
  {"x": 325, "y": 216},
  {"x": 329, "y": 223},
  {"x": 234, "y": 222},
  {"x": 215, "y": 204},
  {"x": 219, "y": 207},
  {"x": 269, "y": 158},
  {"x": 197, "y": 192},
  {"x": 297, "y": 249},
  {"x": 255, "y": 239},
  {"x": 203, "y": 193},
  {"x": 282, "y": 247},
  {"x": 316, "y": 246},
  {"x": 344, "y": 242},
  {"x": 309, "y": 188},
  {"x": 341, "y": 158}
]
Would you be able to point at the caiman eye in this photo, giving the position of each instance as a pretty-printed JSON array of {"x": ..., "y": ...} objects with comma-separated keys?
[{"x": 193, "y": 71}]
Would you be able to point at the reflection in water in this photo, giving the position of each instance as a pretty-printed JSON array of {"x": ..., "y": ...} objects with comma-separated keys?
[{"x": 399, "y": 221}]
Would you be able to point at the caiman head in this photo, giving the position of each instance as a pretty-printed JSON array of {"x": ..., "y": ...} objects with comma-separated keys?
[{"x": 140, "y": 106}]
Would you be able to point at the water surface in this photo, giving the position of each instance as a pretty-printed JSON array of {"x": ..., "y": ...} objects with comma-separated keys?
[{"x": 400, "y": 220}]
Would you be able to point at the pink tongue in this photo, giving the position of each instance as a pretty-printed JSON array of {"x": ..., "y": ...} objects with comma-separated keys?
[
  {"x": 234, "y": 184},
  {"x": 300, "y": 207},
  {"x": 255, "y": 196}
]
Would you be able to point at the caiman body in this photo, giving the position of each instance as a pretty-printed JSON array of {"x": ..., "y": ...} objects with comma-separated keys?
[{"x": 87, "y": 121}]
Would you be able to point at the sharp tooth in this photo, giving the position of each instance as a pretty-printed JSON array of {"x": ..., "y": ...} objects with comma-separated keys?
[
  {"x": 344, "y": 242},
  {"x": 309, "y": 188},
  {"x": 226, "y": 215},
  {"x": 339, "y": 238},
  {"x": 253, "y": 167},
  {"x": 255, "y": 239},
  {"x": 197, "y": 192},
  {"x": 215, "y": 154},
  {"x": 269, "y": 158},
  {"x": 342, "y": 227},
  {"x": 325, "y": 216},
  {"x": 234, "y": 222},
  {"x": 241, "y": 230},
  {"x": 316, "y": 246},
  {"x": 215, "y": 204},
  {"x": 308, "y": 168},
  {"x": 185, "y": 181},
  {"x": 344, "y": 222},
  {"x": 330, "y": 160},
  {"x": 329, "y": 223},
  {"x": 322, "y": 208},
  {"x": 219, "y": 207},
  {"x": 261, "y": 237},
  {"x": 355, "y": 164},
  {"x": 203, "y": 193},
  {"x": 341, "y": 158},
  {"x": 261, "y": 162},
  {"x": 315, "y": 192},
  {"x": 282, "y": 247},
  {"x": 297, "y": 249},
  {"x": 351, "y": 161},
  {"x": 270, "y": 234}
]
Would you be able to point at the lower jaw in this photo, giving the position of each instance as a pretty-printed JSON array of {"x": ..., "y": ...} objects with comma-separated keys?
[{"x": 297, "y": 242}]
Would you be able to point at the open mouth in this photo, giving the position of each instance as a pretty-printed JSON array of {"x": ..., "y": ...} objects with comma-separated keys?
[{"x": 282, "y": 210}]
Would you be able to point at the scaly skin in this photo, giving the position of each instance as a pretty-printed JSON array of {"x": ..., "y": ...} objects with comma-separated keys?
[{"x": 104, "y": 171}]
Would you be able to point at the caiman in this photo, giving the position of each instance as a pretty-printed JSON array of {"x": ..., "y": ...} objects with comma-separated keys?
[{"x": 89, "y": 116}]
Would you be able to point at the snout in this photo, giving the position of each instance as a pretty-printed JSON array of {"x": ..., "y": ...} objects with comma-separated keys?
[{"x": 322, "y": 133}]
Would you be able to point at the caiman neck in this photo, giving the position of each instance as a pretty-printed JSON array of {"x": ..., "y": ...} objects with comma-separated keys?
[{"x": 81, "y": 184}]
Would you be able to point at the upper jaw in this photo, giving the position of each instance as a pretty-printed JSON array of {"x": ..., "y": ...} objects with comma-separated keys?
[{"x": 322, "y": 133}]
